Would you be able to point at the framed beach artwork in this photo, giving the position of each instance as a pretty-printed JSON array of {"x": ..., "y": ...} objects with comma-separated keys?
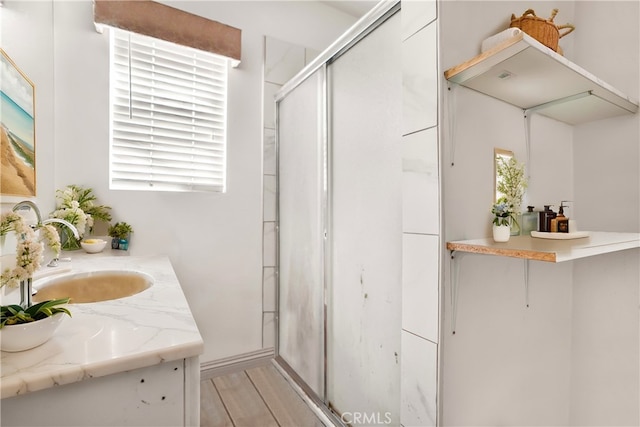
[{"x": 18, "y": 127}]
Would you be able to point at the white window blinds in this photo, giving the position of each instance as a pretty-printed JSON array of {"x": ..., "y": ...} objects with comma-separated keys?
[{"x": 168, "y": 116}]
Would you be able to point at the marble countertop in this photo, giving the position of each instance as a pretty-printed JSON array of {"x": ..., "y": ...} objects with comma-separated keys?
[{"x": 108, "y": 337}]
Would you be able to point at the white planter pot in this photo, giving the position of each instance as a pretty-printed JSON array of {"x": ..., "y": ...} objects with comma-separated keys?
[
  {"x": 29, "y": 335},
  {"x": 501, "y": 233}
]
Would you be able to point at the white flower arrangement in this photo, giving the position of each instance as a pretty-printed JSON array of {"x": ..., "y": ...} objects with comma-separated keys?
[
  {"x": 28, "y": 248},
  {"x": 70, "y": 211},
  {"x": 76, "y": 205}
]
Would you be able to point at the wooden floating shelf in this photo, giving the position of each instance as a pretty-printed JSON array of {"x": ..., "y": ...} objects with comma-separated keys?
[
  {"x": 525, "y": 247},
  {"x": 525, "y": 73}
]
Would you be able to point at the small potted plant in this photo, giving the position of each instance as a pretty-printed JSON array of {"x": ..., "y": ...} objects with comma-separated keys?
[
  {"x": 502, "y": 212},
  {"x": 25, "y": 328},
  {"x": 119, "y": 233}
]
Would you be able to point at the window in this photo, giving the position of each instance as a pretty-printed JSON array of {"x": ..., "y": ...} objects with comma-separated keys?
[{"x": 168, "y": 116}]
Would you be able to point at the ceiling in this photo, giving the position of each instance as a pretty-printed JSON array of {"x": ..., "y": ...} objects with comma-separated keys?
[{"x": 356, "y": 8}]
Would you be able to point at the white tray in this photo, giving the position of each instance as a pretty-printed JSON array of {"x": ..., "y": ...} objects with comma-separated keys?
[{"x": 560, "y": 236}]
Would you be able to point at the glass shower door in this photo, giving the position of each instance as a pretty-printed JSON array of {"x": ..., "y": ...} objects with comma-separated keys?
[
  {"x": 365, "y": 233},
  {"x": 301, "y": 207},
  {"x": 340, "y": 229}
]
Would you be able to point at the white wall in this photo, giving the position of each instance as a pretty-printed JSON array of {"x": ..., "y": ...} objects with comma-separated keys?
[
  {"x": 609, "y": 198},
  {"x": 507, "y": 364},
  {"x": 214, "y": 241},
  {"x": 605, "y": 372}
]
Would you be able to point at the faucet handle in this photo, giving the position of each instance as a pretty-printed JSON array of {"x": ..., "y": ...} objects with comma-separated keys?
[{"x": 54, "y": 261}]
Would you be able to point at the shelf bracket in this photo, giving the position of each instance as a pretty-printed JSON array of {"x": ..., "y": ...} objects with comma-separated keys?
[
  {"x": 454, "y": 271},
  {"x": 527, "y": 140},
  {"x": 454, "y": 274},
  {"x": 528, "y": 112},
  {"x": 526, "y": 282},
  {"x": 451, "y": 118},
  {"x": 569, "y": 98}
]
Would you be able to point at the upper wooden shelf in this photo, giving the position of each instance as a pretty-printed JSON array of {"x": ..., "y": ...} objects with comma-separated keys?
[
  {"x": 529, "y": 75},
  {"x": 598, "y": 243}
]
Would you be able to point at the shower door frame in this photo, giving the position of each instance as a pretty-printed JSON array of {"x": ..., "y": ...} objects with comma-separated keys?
[{"x": 372, "y": 20}]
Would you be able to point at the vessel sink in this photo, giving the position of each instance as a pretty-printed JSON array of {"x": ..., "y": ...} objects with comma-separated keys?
[{"x": 92, "y": 286}]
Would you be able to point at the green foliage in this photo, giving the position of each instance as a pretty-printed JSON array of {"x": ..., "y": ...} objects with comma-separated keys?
[
  {"x": 512, "y": 181},
  {"x": 77, "y": 205},
  {"x": 15, "y": 314},
  {"x": 86, "y": 201},
  {"x": 120, "y": 230}
]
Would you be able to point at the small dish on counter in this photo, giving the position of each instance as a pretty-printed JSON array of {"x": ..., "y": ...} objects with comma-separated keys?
[
  {"x": 560, "y": 236},
  {"x": 93, "y": 246}
]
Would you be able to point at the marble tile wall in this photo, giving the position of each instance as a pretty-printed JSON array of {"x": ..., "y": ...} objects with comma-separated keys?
[
  {"x": 282, "y": 61},
  {"x": 421, "y": 214}
]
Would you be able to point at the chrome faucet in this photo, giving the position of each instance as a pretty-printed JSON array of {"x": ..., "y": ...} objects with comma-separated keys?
[
  {"x": 74, "y": 230},
  {"x": 27, "y": 204},
  {"x": 30, "y": 205},
  {"x": 72, "y": 227}
]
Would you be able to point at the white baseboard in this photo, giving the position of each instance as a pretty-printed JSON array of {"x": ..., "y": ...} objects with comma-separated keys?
[{"x": 236, "y": 363}]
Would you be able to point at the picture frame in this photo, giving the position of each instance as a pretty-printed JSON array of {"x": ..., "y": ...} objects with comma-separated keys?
[{"x": 17, "y": 131}]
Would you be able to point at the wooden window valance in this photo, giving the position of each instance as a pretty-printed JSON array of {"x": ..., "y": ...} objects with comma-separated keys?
[{"x": 167, "y": 23}]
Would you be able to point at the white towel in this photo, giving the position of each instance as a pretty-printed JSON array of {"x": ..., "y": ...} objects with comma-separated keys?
[{"x": 495, "y": 40}]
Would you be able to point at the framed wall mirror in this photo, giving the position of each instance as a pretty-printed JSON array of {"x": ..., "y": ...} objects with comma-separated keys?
[{"x": 498, "y": 155}]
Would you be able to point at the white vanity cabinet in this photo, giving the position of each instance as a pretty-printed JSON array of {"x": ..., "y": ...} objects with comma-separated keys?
[{"x": 161, "y": 395}]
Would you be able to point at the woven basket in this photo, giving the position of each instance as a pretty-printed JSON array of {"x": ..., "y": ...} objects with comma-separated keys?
[{"x": 543, "y": 30}]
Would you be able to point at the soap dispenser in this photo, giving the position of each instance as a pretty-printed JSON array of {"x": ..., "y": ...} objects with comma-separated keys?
[
  {"x": 529, "y": 221},
  {"x": 562, "y": 222},
  {"x": 553, "y": 224},
  {"x": 545, "y": 217}
]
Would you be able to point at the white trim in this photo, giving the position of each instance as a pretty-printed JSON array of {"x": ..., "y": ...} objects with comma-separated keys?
[{"x": 236, "y": 363}]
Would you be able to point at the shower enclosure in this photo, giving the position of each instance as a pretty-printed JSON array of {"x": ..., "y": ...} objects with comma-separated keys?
[{"x": 340, "y": 223}]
